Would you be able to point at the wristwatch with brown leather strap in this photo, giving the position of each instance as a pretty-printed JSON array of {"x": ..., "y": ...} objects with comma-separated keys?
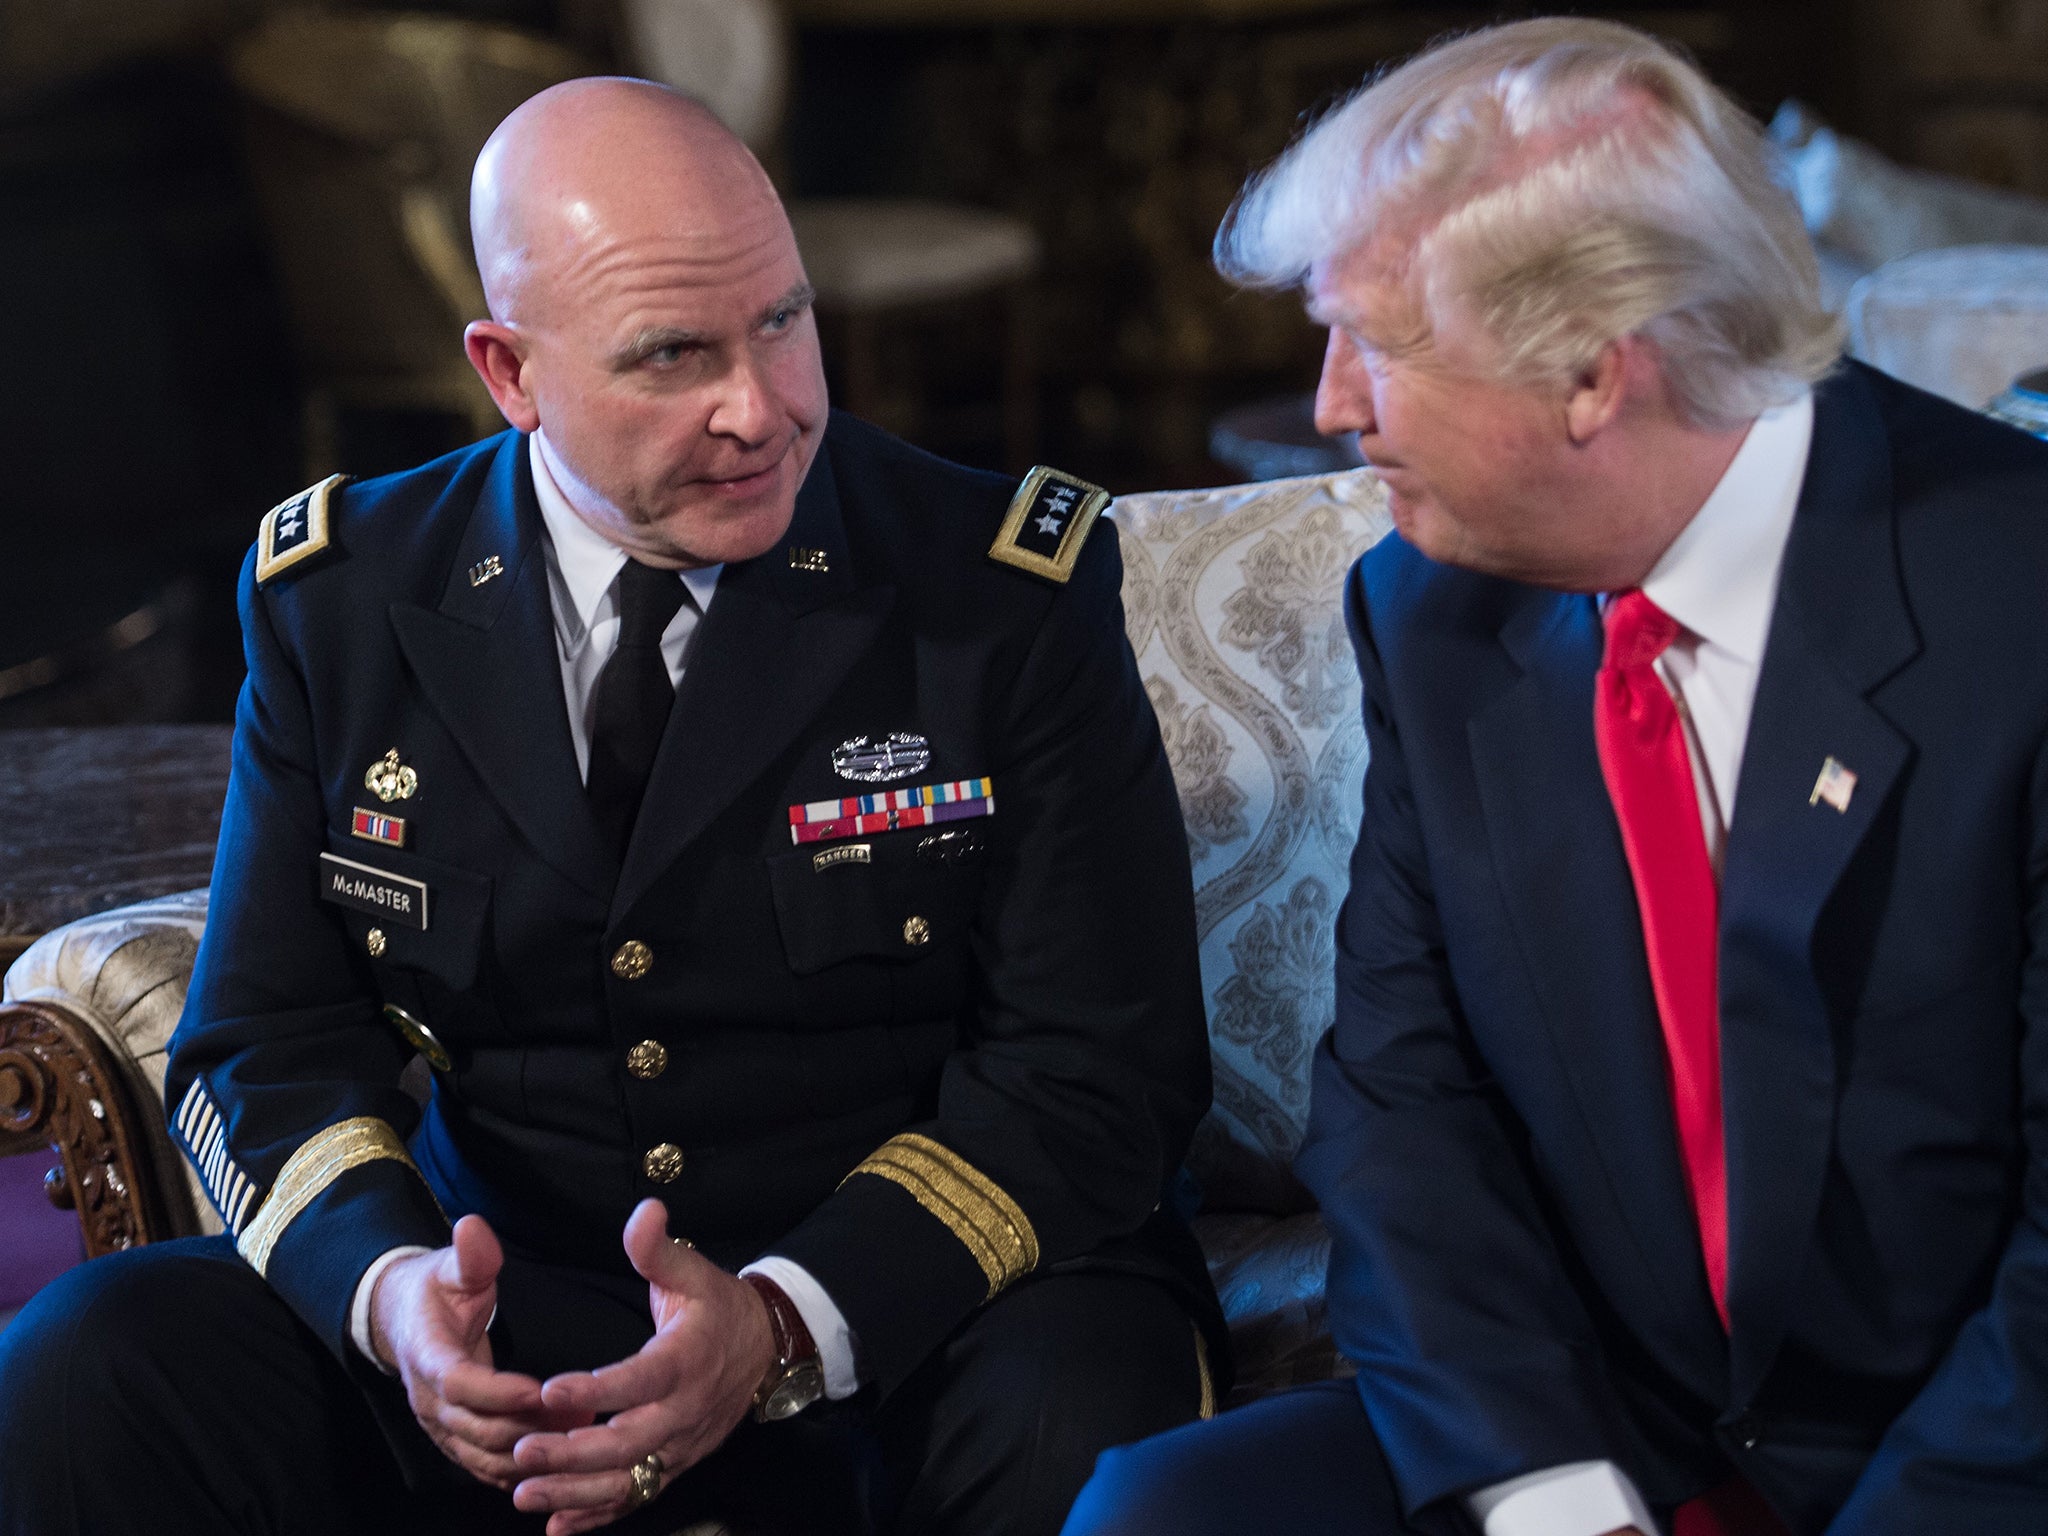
[{"x": 797, "y": 1379}]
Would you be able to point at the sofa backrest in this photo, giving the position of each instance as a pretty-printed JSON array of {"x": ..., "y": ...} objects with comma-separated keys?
[{"x": 1233, "y": 600}]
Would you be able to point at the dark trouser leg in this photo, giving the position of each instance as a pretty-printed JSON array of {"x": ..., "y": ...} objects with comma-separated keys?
[
  {"x": 992, "y": 1436},
  {"x": 169, "y": 1389},
  {"x": 998, "y": 1430},
  {"x": 1305, "y": 1462}
]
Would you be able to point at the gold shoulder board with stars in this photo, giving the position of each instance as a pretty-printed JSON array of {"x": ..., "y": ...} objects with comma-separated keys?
[
  {"x": 1048, "y": 522},
  {"x": 294, "y": 530}
]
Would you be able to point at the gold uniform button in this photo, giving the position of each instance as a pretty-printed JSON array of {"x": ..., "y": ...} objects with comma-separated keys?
[
  {"x": 916, "y": 931},
  {"x": 632, "y": 960},
  {"x": 648, "y": 1059},
  {"x": 375, "y": 942},
  {"x": 663, "y": 1164}
]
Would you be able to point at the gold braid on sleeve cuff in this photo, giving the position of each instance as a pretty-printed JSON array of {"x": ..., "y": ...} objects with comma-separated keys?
[
  {"x": 317, "y": 1164},
  {"x": 973, "y": 1206}
]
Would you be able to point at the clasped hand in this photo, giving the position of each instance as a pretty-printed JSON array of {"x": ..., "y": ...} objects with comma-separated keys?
[{"x": 677, "y": 1398}]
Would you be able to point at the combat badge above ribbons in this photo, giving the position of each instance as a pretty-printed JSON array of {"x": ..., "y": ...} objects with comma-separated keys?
[
  {"x": 896, "y": 756},
  {"x": 1048, "y": 521},
  {"x": 294, "y": 530}
]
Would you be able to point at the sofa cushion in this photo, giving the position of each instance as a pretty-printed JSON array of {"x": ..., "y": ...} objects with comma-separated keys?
[{"x": 1233, "y": 602}]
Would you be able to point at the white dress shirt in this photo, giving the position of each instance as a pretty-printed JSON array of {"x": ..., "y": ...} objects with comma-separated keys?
[
  {"x": 1719, "y": 580},
  {"x": 583, "y": 570}
]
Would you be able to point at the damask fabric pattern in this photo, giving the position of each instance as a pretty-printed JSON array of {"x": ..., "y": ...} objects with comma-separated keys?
[{"x": 1233, "y": 604}]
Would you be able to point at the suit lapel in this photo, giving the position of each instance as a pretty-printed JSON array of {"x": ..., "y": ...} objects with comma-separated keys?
[
  {"x": 769, "y": 654},
  {"x": 487, "y": 662},
  {"x": 1565, "y": 880},
  {"x": 1840, "y": 627}
]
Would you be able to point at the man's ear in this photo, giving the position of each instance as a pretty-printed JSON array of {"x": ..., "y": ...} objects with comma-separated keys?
[
  {"x": 1600, "y": 390},
  {"x": 498, "y": 353}
]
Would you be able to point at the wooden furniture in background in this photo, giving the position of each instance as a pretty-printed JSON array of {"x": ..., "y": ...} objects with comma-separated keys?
[
  {"x": 1959, "y": 86},
  {"x": 363, "y": 129},
  {"x": 1120, "y": 131},
  {"x": 93, "y": 820}
]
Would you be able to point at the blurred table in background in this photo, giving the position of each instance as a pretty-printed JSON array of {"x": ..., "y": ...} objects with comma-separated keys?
[{"x": 93, "y": 819}]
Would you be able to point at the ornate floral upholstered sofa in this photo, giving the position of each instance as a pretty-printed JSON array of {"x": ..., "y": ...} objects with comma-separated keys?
[{"x": 1233, "y": 604}]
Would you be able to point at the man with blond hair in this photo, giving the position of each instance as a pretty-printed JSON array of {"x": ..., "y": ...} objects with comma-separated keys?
[
  {"x": 759, "y": 829},
  {"x": 1683, "y": 1131}
]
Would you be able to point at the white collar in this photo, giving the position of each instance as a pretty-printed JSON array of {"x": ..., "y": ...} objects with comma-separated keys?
[
  {"x": 586, "y": 561},
  {"x": 1719, "y": 578}
]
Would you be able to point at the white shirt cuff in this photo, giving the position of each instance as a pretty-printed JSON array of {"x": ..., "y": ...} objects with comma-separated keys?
[
  {"x": 359, "y": 1309},
  {"x": 1581, "y": 1498},
  {"x": 821, "y": 1315}
]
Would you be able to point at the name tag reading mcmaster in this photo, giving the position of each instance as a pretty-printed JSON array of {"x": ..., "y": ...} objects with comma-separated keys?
[{"x": 376, "y": 891}]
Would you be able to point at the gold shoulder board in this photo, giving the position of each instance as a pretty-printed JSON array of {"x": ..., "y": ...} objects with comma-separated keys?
[
  {"x": 294, "y": 530},
  {"x": 1048, "y": 522}
]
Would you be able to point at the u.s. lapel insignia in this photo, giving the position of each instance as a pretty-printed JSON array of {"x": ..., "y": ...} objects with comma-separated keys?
[
  {"x": 1047, "y": 523},
  {"x": 373, "y": 827},
  {"x": 896, "y": 756},
  {"x": 485, "y": 569},
  {"x": 294, "y": 530},
  {"x": 813, "y": 560},
  {"x": 389, "y": 779},
  {"x": 1835, "y": 785}
]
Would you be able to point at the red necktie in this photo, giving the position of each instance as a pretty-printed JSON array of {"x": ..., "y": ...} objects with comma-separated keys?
[{"x": 1649, "y": 777}]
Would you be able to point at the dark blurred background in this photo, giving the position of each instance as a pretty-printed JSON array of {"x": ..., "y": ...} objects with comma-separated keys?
[{"x": 235, "y": 259}]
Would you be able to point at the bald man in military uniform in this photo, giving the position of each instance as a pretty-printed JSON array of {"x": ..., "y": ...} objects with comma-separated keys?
[{"x": 759, "y": 829}]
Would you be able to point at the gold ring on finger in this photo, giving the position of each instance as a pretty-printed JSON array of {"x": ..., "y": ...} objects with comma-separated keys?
[{"x": 646, "y": 1476}]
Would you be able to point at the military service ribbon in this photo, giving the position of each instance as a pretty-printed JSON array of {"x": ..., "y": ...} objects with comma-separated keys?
[
  {"x": 886, "y": 811},
  {"x": 375, "y": 828}
]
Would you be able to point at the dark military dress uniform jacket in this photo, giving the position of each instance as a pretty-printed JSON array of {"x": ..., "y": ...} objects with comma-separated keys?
[{"x": 925, "y": 1063}]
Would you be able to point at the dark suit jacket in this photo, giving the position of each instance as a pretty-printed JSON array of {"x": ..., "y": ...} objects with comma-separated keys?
[
  {"x": 1044, "y": 1024},
  {"x": 1516, "y": 1268}
]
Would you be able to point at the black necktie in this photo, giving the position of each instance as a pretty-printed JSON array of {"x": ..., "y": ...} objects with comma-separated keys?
[{"x": 633, "y": 698}]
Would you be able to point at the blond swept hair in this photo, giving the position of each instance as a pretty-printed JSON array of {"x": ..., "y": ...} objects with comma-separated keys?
[{"x": 1562, "y": 184}]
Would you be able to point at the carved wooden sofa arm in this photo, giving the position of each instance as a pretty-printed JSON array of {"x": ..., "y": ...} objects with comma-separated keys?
[{"x": 85, "y": 1016}]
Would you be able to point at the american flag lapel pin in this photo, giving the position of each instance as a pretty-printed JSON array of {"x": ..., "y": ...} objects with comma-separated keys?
[{"x": 1835, "y": 785}]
